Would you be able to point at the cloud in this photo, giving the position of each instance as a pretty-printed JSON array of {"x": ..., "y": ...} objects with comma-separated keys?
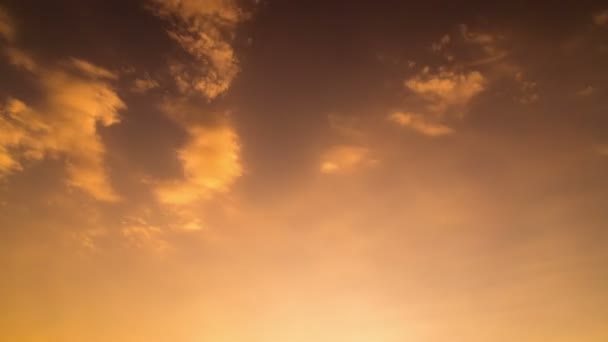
[
  {"x": 204, "y": 29},
  {"x": 420, "y": 124},
  {"x": 480, "y": 38},
  {"x": 146, "y": 237},
  {"x": 211, "y": 164},
  {"x": 74, "y": 99},
  {"x": 441, "y": 43},
  {"x": 446, "y": 90},
  {"x": 63, "y": 124},
  {"x": 91, "y": 69},
  {"x": 20, "y": 58},
  {"x": 601, "y": 18},
  {"x": 487, "y": 42},
  {"x": 7, "y": 26},
  {"x": 345, "y": 158},
  {"x": 586, "y": 91},
  {"x": 143, "y": 85},
  {"x": 528, "y": 89}
]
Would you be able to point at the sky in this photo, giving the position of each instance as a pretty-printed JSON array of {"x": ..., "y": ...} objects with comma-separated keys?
[{"x": 229, "y": 171}]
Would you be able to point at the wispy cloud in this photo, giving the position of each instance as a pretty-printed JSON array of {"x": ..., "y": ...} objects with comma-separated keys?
[
  {"x": 345, "y": 158},
  {"x": 419, "y": 124}
]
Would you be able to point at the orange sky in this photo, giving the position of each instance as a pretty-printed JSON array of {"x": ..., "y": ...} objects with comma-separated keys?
[{"x": 229, "y": 171}]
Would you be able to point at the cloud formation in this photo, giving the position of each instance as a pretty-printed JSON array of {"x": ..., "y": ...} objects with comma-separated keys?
[
  {"x": 64, "y": 124},
  {"x": 444, "y": 95},
  {"x": 211, "y": 164},
  {"x": 419, "y": 124},
  {"x": 91, "y": 69},
  {"x": 204, "y": 29},
  {"x": 145, "y": 84},
  {"x": 345, "y": 158},
  {"x": 446, "y": 90}
]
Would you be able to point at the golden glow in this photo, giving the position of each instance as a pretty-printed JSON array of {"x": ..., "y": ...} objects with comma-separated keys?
[{"x": 283, "y": 171}]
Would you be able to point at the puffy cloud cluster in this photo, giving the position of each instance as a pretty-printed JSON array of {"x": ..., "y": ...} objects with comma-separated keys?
[{"x": 204, "y": 29}]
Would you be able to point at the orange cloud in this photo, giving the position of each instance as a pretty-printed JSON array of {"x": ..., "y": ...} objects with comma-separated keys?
[
  {"x": 143, "y": 85},
  {"x": 91, "y": 69},
  {"x": 64, "y": 124},
  {"x": 211, "y": 164},
  {"x": 446, "y": 89},
  {"x": 344, "y": 158},
  {"x": 440, "y": 96},
  {"x": 204, "y": 30},
  {"x": 419, "y": 124}
]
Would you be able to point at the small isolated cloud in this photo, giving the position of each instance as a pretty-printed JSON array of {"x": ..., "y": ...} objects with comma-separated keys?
[
  {"x": 145, "y": 84},
  {"x": 345, "y": 158},
  {"x": 586, "y": 91},
  {"x": 91, "y": 69},
  {"x": 211, "y": 164},
  {"x": 528, "y": 89},
  {"x": 601, "y": 18},
  {"x": 441, "y": 43},
  {"x": 420, "y": 124},
  {"x": 439, "y": 97},
  {"x": 204, "y": 29},
  {"x": 143, "y": 235},
  {"x": 64, "y": 124},
  {"x": 446, "y": 90}
]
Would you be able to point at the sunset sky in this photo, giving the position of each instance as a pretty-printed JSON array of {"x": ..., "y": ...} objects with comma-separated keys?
[{"x": 303, "y": 171}]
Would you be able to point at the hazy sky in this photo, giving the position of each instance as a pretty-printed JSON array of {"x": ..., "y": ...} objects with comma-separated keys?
[{"x": 298, "y": 171}]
